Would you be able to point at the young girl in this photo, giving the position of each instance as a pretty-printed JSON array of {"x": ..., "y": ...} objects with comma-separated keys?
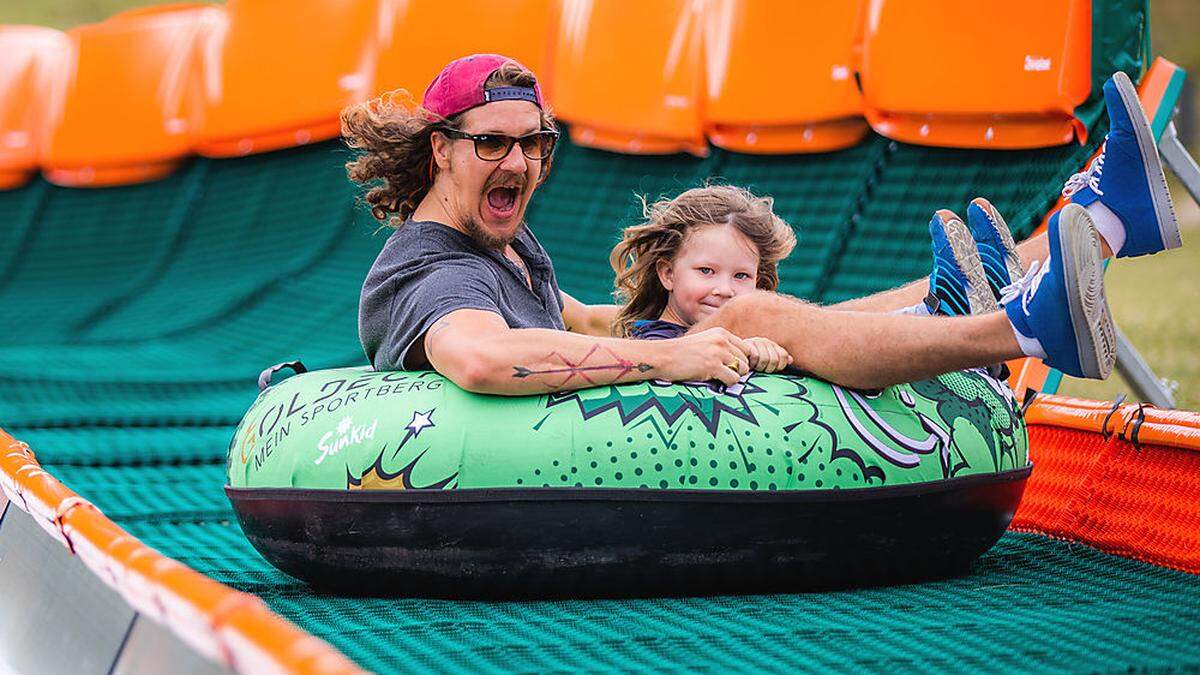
[{"x": 694, "y": 253}]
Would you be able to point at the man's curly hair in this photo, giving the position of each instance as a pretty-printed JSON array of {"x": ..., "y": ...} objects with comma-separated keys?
[{"x": 395, "y": 159}]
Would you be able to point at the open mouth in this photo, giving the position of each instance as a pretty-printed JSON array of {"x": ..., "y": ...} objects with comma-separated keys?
[{"x": 502, "y": 200}]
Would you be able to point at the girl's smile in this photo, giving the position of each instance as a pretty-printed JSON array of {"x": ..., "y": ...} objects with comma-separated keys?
[{"x": 714, "y": 263}]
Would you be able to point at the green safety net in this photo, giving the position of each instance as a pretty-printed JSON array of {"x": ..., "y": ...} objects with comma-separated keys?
[{"x": 137, "y": 319}]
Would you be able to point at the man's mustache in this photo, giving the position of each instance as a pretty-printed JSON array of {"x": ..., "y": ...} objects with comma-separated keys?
[{"x": 513, "y": 180}]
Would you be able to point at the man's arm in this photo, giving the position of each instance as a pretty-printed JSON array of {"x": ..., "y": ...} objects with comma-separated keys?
[
  {"x": 588, "y": 319},
  {"x": 480, "y": 353},
  {"x": 1034, "y": 248}
]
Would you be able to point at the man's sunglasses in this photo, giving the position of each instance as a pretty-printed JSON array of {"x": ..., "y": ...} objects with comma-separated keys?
[{"x": 495, "y": 147}]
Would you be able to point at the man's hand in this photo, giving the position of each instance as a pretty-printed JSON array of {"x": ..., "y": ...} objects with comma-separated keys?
[
  {"x": 713, "y": 354},
  {"x": 766, "y": 356}
]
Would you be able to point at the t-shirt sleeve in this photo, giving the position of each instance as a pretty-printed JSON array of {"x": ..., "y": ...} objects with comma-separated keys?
[{"x": 418, "y": 300}]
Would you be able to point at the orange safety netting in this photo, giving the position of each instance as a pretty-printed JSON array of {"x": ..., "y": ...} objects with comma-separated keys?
[{"x": 1124, "y": 479}]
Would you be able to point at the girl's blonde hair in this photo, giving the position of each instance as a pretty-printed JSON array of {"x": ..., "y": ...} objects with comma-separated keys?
[{"x": 668, "y": 223}]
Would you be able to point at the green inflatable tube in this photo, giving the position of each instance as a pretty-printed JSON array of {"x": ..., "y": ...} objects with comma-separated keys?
[{"x": 320, "y": 443}]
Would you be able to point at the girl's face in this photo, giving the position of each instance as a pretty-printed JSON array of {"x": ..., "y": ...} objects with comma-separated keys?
[{"x": 715, "y": 263}]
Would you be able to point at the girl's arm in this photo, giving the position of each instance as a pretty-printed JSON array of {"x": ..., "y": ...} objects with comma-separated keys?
[{"x": 594, "y": 320}]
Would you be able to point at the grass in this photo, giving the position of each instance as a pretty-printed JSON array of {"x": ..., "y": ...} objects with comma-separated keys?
[{"x": 1151, "y": 299}]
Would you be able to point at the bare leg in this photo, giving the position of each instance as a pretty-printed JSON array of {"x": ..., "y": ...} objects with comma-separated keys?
[
  {"x": 868, "y": 350},
  {"x": 1034, "y": 248}
]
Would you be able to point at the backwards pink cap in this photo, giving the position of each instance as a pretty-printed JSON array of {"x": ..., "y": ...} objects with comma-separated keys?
[{"x": 459, "y": 87}]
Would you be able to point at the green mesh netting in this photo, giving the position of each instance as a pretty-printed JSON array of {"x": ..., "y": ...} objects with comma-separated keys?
[
  {"x": 131, "y": 493},
  {"x": 888, "y": 239},
  {"x": 87, "y": 249},
  {"x": 160, "y": 445},
  {"x": 1120, "y": 41},
  {"x": 1031, "y": 604},
  {"x": 138, "y": 317}
]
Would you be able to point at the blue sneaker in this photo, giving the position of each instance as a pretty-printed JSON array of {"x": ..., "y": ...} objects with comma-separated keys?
[
  {"x": 957, "y": 285},
  {"x": 1062, "y": 305},
  {"x": 997, "y": 250},
  {"x": 1127, "y": 176}
]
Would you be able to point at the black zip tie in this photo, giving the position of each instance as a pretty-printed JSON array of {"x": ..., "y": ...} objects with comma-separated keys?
[
  {"x": 1104, "y": 427},
  {"x": 1030, "y": 394},
  {"x": 1137, "y": 425}
]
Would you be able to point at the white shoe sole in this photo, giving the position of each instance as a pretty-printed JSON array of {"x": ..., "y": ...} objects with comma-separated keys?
[
  {"x": 966, "y": 254},
  {"x": 1083, "y": 271},
  {"x": 1012, "y": 261},
  {"x": 1168, "y": 225}
]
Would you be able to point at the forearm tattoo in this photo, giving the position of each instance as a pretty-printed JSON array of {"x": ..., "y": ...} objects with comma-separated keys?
[{"x": 599, "y": 366}]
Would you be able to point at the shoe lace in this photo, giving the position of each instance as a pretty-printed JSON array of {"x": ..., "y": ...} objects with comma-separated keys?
[
  {"x": 1025, "y": 287},
  {"x": 1089, "y": 178}
]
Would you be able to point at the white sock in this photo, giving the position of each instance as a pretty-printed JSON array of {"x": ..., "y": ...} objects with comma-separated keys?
[
  {"x": 1029, "y": 345},
  {"x": 1108, "y": 224},
  {"x": 919, "y": 309}
]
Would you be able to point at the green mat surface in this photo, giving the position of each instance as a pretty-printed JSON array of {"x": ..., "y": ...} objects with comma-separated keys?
[
  {"x": 1032, "y": 604},
  {"x": 131, "y": 383},
  {"x": 137, "y": 319},
  {"x": 144, "y": 342}
]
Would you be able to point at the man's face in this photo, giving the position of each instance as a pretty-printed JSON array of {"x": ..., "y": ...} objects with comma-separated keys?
[{"x": 488, "y": 198}]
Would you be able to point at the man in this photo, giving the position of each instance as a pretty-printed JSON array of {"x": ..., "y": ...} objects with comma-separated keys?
[{"x": 464, "y": 287}]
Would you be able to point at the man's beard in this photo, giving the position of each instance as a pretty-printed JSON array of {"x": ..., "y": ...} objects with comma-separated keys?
[{"x": 486, "y": 239}]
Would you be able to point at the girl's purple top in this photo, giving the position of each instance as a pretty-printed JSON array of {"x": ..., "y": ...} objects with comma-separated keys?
[{"x": 657, "y": 329}]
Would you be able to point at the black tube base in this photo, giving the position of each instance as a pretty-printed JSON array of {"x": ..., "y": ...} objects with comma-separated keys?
[{"x": 561, "y": 542}]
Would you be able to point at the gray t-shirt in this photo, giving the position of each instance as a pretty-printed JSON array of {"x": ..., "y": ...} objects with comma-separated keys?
[{"x": 427, "y": 270}]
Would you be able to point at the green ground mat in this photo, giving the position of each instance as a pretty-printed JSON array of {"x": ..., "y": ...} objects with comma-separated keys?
[
  {"x": 129, "y": 446},
  {"x": 1031, "y": 604},
  {"x": 258, "y": 223},
  {"x": 137, "y": 319},
  {"x": 888, "y": 241},
  {"x": 88, "y": 248}
]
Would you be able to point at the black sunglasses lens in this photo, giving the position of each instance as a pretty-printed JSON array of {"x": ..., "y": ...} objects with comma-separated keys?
[
  {"x": 538, "y": 146},
  {"x": 490, "y": 146}
]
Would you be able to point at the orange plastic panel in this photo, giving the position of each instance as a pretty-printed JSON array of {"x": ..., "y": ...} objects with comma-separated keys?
[
  {"x": 32, "y": 71},
  {"x": 977, "y": 75},
  {"x": 417, "y": 38},
  {"x": 278, "y": 73},
  {"x": 132, "y": 98},
  {"x": 628, "y": 75},
  {"x": 762, "y": 99}
]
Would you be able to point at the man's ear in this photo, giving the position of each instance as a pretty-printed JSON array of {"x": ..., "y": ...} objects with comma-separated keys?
[
  {"x": 666, "y": 275},
  {"x": 441, "y": 150}
]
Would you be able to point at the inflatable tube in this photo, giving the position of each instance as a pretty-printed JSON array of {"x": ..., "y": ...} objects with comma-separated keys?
[{"x": 403, "y": 483}]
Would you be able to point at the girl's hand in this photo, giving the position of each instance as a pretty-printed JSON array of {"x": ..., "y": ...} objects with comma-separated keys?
[{"x": 766, "y": 356}]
